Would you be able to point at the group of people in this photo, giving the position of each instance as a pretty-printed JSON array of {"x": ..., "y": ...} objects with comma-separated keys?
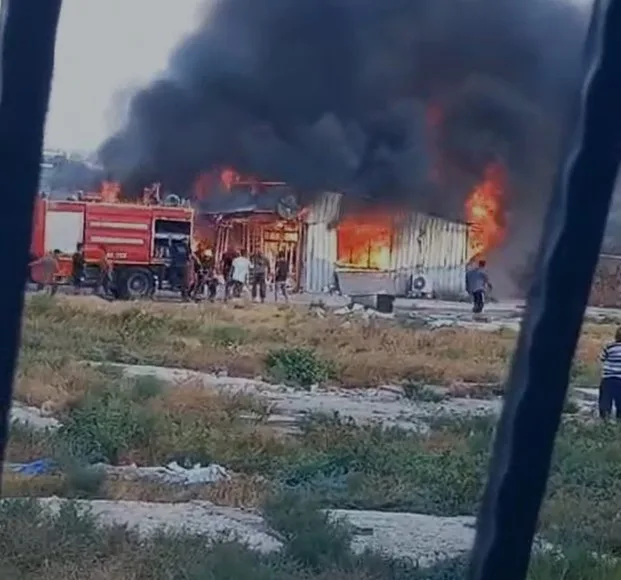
[
  {"x": 239, "y": 271},
  {"x": 50, "y": 267},
  {"x": 193, "y": 272}
]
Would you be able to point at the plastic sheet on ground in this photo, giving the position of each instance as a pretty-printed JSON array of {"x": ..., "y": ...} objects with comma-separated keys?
[{"x": 38, "y": 467}]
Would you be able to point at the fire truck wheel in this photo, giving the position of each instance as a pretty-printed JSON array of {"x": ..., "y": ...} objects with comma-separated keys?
[{"x": 136, "y": 283}]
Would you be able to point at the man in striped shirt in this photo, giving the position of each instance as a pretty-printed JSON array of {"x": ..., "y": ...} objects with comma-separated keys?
[{"x": 610, "y": 385}]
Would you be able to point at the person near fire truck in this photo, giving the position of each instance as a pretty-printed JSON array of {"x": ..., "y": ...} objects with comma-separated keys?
[
  {"x": 49, "y": 272},
  {"x": 477, "y": 285},
  {"x": 105, "y": 283},
  {"x": 281, "y": 274},
  {"x": 240, "y": 273},
  {"x": 260, "y": 271},
  {"x": 77, "y": 268},
  {"x": 190, "y": 276}
]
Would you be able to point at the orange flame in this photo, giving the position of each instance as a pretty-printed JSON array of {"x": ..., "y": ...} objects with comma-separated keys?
[
  {"x": 110, "y": 191},
  {"x": 364, "y": 241},
  {"x": 484, "y": 212}
]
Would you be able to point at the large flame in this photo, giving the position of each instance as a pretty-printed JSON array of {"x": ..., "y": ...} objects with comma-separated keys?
[
  {"x": 364, "y": 241},
  {"x": 484, "y": 212}
]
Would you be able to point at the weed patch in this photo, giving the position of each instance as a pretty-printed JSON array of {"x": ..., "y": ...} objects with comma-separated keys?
[{"x": 300, "y": 366}]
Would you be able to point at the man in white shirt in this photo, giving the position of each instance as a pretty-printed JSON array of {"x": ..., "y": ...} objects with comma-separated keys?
[{"x": 241, "y": 271}]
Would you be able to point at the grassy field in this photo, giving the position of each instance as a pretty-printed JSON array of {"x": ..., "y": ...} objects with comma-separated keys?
[
  {"x": 332, "y": 463},
  {"x": 251, "y": 340}
]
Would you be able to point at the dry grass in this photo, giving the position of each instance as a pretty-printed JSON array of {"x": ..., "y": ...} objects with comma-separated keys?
[
  {"x": 239, "y": 491},
  {"x": 238, "y": 338},
  {"x": 53, "y": 387}
]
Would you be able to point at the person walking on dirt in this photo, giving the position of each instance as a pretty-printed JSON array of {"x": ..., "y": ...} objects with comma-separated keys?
[
  {"x": 49, "y": 265},
  {"x": 477, "y": 284},
  {"x": 260, "y": 272},
  {"x": 281, "y": 274},
  {"x": 610, "y": 384},
  {"x": 240, "y": 273},
  {"x": 77, "y": 268}
]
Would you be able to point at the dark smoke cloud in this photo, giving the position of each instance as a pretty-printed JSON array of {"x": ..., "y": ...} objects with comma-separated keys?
[{"x": 333, "y": 95}]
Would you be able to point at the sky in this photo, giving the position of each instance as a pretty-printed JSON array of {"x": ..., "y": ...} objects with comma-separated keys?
[{"x": 103, "y": 50}]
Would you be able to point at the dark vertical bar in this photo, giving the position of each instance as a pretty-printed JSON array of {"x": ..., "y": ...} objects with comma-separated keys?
[
  {"x": 28, "y": 40},
  {"x": 567, "y": 258}
]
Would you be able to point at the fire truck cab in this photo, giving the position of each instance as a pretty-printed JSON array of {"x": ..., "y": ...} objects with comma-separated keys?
[{"x": 143, "y": 242}]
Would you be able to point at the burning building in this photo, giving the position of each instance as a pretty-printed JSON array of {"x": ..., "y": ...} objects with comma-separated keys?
[
  {"x": 394, "y": 252},
  {"x": 374, "y": 250}
]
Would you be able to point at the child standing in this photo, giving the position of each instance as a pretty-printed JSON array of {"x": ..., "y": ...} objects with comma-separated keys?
[{"x": 610, "y": 385}]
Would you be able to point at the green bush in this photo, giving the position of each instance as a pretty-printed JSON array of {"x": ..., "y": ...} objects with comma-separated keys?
[
  {"x": 311, "y": 538},
  {"x": 104, "y": 425},
  {"x": 300, "y": 366}
]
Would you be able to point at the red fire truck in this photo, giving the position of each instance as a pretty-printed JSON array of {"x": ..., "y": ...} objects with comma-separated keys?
[{"x": 142, "y": 241}]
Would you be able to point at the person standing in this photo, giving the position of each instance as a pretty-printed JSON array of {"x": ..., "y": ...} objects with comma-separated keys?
[
  {"x": 106, "y": 274},
  {"x": 260, "y": 272},
  {"x": 477, "y": 284},
  {"x": 189, "y": 277},
  {"x": 226, "y": 267},
  {"x": 240, "y": 273},
  {"x": 77, "y": 268},
  {"x": 49, "y": 265},
  {"x": 610, "y": 384},
  {"x": 209, "y": 274},
  {"x": 281, "y": 274}
]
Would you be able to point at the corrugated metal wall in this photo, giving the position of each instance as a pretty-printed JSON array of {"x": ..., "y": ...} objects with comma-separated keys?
[
  {"x": 422, "y": 245},
  {"x": 320, "y": 251},
  {"x": 434, "y": 247}
]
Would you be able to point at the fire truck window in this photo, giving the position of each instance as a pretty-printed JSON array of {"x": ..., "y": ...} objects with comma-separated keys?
[
  {"x": 172, "y": 227},
  {"x": 364, "y": 242}
]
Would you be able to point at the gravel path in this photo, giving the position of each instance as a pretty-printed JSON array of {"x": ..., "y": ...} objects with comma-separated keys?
[
  {"x": 385, "y": 405},
  {"x": 402, "y": 535}
]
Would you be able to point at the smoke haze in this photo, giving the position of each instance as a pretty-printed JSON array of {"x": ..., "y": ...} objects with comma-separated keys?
[{"x": 338, "y": 95}]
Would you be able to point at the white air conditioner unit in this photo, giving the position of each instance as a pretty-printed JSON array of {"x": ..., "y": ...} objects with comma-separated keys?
[{"x": 422, "y": 287}]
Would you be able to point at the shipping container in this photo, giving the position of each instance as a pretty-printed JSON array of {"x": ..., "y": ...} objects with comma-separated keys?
[{"x": 420, "y": 247}]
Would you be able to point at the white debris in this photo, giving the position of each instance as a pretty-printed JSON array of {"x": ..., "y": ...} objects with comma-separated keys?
[
  {"x": 32, "y": 417},
  {"x": 172, "y": 474}
]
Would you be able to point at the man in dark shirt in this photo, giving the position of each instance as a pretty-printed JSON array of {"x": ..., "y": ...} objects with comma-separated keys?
[
  {"x": 281, "y": 273},
  {"x": 77, "y": 268},
  {"x": 260, "y": 272},
  {"x": 477, "y": 284}
]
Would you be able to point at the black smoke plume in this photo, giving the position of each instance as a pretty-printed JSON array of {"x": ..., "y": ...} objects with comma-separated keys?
[{"x": 336, "y": 94}]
